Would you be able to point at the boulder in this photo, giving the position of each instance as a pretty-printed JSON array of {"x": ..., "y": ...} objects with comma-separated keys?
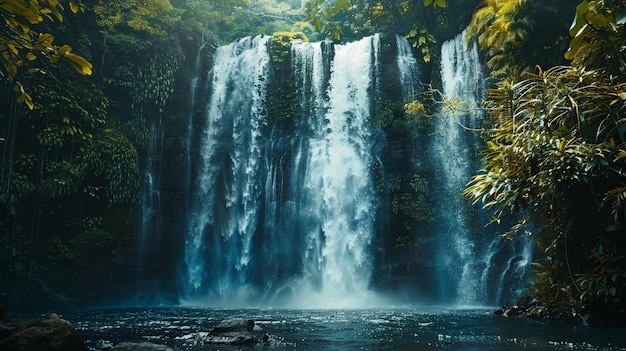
[
  {"x": 140, "y": 346},
  {"x": 49, "y": 333},
  {"x": 236, "y": 331},
  {"x": 234, "y": 325}
]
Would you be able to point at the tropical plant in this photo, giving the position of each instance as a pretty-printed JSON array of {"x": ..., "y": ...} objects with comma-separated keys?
[
  {"x": 556, "y": 155},
  {"x": 511, "y": 31},
  {"x": 598, "y": 37},
  {"x": 153, "y": 16},
  {"x": 24, "y": 50},
  {"x": 421, "y": 39},
  {"x": 322, "y": 15}
]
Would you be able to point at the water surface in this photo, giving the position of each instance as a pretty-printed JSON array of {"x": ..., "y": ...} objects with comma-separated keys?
[{"x": 359, "y": 329}]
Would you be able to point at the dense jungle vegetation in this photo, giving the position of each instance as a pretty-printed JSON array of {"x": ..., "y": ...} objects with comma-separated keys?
[{"x": 83, "y": 81}]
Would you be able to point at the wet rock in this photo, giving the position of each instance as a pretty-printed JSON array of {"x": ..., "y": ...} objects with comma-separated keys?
[
  {"x": 8, "y": 323},
  {"x": 49, "y": 333},
  {"x": 524, "y": 308},
  {"x": 140, "y": 346},
  {"x": 236, "y": 331},
  {"x": 509, "y": 311},
  {"x": 234, "y": 325}
]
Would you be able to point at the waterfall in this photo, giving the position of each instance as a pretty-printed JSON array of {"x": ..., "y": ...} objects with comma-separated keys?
[
  {"x": 279, "y": 215},
  {"x": 473, "y": 261},
  {"x": 150, "y": 221},
  {"x": 225, "y": 208},
  {"x": 292, "y": 208},
  {"x": 338, "y": 186},
  {"x": 407, "y": 70}
]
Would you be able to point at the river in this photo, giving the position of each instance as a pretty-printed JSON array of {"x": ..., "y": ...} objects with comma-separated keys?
[{"x": 414, "y": 328}]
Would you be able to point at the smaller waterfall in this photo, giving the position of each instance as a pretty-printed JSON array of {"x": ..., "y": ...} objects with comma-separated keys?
[
  {"x": 149, "y": 238},
  {"x": 452, "y": 147},
  {"x": 496, "y": 275},
  {"x": 407, "y": 70},
  {"x": 475, "y": 263}
]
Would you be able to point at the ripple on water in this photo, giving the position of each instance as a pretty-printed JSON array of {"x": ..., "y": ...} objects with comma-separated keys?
[{"x": 375, "y": 329}]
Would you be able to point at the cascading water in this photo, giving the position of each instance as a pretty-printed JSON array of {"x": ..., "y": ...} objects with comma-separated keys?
[
  {"x": 273, "y": 215},
  {"x": 287, "y": 211},
  {"x": 407, "y": 70},
  {"x": 224, "y": 211},
  {"x": 149, "y": 238},
  {"x": 338, "y": 185},
  {"x": 472, "y": 267}
]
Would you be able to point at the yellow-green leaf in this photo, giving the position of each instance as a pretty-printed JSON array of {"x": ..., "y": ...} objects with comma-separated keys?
[
  {"x": 73, "y": 6},
  {"x": 80, "y": 64}
]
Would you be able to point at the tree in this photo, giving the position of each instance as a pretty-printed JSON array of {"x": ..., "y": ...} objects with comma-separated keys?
[
  {"x": 511, "y": 32},
  {"x": 557, "y": 156},
  {"x": 24, "y": 50}
]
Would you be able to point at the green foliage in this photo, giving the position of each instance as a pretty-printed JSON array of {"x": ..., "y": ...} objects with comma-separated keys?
[
  {"x": 511, "y": 31},
  {"x": 556, "y": 154},
  {"x": 422, "y": 40},
  {"x": 436, "y": 3},
  {"x": 554, "y": 289},
  {"x": 153, "y": 17},
  {"x": 282, "y": 96},
  {"x": 412, "y": 202},
  {"x": 323, "y": 16},
  {"x": 280, "y": 46},
  {"x": 15, "y": 249},
  {"x": 597, "y": 36},
  {"x": 607, "y": 279},
  {"x": 67, "y": 115},
  {"x": 501, "y": 26},
  {"x": 113, "y": 160},
  {"x": 149, "y": 81},
  {"x": 94, "y": 242},
  {"x": 26, "y": 51},
  {"x": 553, "y": 130}
]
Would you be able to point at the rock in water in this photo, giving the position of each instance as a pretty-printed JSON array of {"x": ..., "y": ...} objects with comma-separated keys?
[
  {"x": 234, "y": 325},
  {"x": 49, "y": 333},
  {"x": 236, "y": 331}
]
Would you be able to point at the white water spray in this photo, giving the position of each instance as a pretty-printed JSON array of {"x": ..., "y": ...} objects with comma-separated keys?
[{"x": 223, "y": 218}]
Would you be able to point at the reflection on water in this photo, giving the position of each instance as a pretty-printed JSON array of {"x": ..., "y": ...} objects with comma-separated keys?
[{"x": 373, "y": 329}]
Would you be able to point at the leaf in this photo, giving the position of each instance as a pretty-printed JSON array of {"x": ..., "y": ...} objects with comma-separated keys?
[
  {"x": 25, "y": 97},
  {"x": 80, "y": 64},
  {"x": 579, "y": 18},
  {"x": 598, "y": 19},
  {"x": 575, "y": 44},
  {"x": 73, "y": 6},
  {"x": 338, "y": 6}
]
